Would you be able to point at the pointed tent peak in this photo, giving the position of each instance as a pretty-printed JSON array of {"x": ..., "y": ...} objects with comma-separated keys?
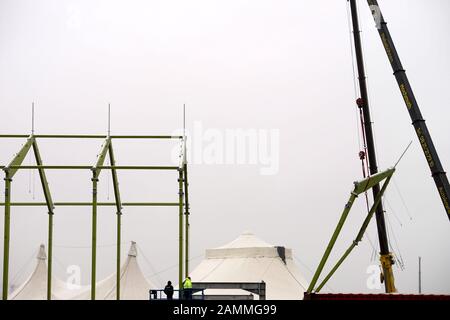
[
  {"x": 41, "y": 254},
  {"x": 246, "y": 240},
  {"x": 133, "y": 249}
]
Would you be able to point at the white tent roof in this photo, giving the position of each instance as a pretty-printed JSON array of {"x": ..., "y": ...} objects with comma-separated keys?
[
  {"x": 35, "y": 287},
  {"x": 133, "y": 284},
  {"x": 249, "y": 259}
]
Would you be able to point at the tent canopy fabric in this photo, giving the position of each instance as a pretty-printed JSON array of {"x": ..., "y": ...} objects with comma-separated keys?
[
  {"x": 35, "y": 287},
  {"x": 250, "y": 259},
  {"x": 133, "y": 284}
]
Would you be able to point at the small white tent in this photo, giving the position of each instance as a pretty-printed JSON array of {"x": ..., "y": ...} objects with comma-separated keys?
[
  {"x": 133, "y": 284},
  {"x": 249, "y": 259},
  {"x": 35, "y": 287}
]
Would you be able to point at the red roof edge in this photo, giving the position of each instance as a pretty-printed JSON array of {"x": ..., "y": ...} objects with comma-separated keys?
[{"x": 377, "y": 297}]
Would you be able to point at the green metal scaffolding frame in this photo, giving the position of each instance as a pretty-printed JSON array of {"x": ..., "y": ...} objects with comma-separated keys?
[
  {"x": 106, "y": 149},
  {"x": 359, "y": 188}
]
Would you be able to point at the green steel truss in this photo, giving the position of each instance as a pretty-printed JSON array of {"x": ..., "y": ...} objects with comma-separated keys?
[
  {"x": 359, "y": 188},
  {"x": 106, "y": 149}
]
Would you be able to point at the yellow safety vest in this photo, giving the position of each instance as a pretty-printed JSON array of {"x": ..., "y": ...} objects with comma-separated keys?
[{"x": 187, "y": 284}]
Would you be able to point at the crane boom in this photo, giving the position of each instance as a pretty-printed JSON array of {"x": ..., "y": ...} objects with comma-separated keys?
[
  {"x": 386, "y": 256},
  {"x": 431, "y": 155}
]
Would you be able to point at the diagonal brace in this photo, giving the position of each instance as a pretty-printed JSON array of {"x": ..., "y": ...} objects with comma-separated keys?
[
  {"x": 19, "y": 157},
  {"x": 359, "y": 236},
  {"x": 50, "y": 207},
  {"x": 43, "y": 178},
  {"x": 101, "y": 157},
  {"x": 359, "y": 187},
  {"x": 115, "y": 180},
  {"x": 118, "y": 202}
]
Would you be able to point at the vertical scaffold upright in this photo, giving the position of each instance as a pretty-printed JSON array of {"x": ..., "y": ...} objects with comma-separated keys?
[{"x": 107, "y": 148}]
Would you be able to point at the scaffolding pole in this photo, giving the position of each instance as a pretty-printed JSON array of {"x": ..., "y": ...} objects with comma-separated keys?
[
  {"x": 180, "y": 227},
  {"x": 6, "y": 235},
  {"x": 9, "y": 173},
  {"x": 186, "y": 213},
  {"x": 94, "y": 234},
  {"x": 95, "y": 174}
]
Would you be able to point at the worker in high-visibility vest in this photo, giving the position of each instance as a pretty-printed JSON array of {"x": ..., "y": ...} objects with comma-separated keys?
[{"x": 187, "y": 288}]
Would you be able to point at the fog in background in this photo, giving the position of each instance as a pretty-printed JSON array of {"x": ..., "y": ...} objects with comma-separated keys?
[{"x": 262, "y": 64}]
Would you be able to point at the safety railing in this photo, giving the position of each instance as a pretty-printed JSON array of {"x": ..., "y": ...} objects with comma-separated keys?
[{"x": 184, "y": 294}]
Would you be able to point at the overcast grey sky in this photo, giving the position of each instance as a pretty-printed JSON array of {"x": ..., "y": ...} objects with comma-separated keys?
[{"x": 250, "y": 64}]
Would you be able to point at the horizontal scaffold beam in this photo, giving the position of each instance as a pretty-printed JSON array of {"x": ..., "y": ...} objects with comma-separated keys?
[
  {"x": 82, "y": 204},
  {"x": 90, "y": 136},
  {"x": 75, "y": 167}
]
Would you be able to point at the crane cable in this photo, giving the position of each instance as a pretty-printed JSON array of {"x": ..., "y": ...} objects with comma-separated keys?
[
  {"x": 411, "y": 218},
  {"x": 362, "y": 145},
  {"x": 398, "y": 257},
  {"x": 311, "y": 271},
  {"x": 150, "y": 265},
  {"x": 173, "y": 266},
  {"x": 362, "y": 154},
  {"x": 88, "y": 246},
  {"x": 19, "y": 273}
]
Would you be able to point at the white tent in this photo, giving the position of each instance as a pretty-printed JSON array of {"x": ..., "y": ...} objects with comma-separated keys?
[
  {"x": 35, "y": 287},
  {"x": 249, "y": 259},
  {"x": 133, "y": 284}
]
